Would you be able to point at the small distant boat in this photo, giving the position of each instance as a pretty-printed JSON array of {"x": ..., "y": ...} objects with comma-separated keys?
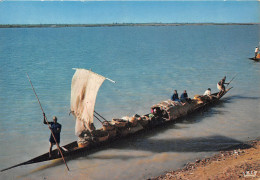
[
  {"x": 255, "y": 59},
  {"x": 84, "y": 88},
  {"x": 257, "y": 54}
]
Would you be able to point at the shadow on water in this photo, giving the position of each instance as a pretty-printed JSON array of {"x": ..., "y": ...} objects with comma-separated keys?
[
  {"x": 199, "y": 144},
  {"x": 230, "y": 99},
  {"x": 143, "y": 141},
  {"x": 121, "y": 157}
]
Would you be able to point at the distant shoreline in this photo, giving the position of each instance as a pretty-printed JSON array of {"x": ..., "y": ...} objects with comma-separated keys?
[{"x": 112, "y": 25}]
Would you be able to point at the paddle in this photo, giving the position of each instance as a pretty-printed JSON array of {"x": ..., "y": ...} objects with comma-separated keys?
[{"x": 48, "y": 123}]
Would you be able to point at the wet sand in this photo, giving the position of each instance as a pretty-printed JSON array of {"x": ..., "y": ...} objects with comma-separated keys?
[{"x": 237, "y": 162}]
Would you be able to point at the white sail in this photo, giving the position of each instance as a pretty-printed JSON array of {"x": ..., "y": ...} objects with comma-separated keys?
[{"x": 84, "y": 88}]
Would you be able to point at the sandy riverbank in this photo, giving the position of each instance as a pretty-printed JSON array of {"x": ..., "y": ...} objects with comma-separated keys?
[{"x": 237, "y": 162}]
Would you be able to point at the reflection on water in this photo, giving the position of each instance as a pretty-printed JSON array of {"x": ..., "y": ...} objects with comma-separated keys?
[
  {"x": 51, "y": 164},
  {"x": 234, "y": 97}
]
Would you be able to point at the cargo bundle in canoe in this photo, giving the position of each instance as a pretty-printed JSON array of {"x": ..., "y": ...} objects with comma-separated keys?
[{"x": 90, "y": 139}]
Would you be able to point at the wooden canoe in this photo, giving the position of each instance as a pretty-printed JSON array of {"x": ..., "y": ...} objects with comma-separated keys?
[{"x": 72, "y": 149}]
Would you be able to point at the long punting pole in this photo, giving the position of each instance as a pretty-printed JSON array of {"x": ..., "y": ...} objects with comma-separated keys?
[
  {"x": 231, "y": 80},
  {"x": 47, "y": 122}
]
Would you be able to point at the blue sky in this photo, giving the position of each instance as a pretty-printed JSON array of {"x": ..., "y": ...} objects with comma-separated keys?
[{"x": 98, "y": 12}]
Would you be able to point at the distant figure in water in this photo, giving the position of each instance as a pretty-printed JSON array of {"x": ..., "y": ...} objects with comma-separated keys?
[
  {"x": 184, "y": 96},
  {"x": 56, "y": 129},
  {"x": 256, "y": 51},
  {"x": 207, "y": 92},
  {"x": 221, "y": 86},
  {"x": 175, "y": 96}
]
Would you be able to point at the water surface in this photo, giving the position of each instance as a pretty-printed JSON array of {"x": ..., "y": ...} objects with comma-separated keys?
[{"x": 147, "y": 63}]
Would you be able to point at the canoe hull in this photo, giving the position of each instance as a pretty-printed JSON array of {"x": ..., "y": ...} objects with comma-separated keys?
[
  {"x": 255, "y": 59},
  {"x": 72, "y": 149}
]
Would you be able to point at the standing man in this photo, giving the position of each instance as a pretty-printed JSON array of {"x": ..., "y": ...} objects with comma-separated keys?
[
  {"x": 256, "y": 51},
  {"x": 221, "y": 86},
  {"x": 56, "y": 129}
]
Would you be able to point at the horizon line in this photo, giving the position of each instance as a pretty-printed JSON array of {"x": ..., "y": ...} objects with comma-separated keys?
[
  {"x": 117, "y": 24},
  {"x": 128, "y": 0}
]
